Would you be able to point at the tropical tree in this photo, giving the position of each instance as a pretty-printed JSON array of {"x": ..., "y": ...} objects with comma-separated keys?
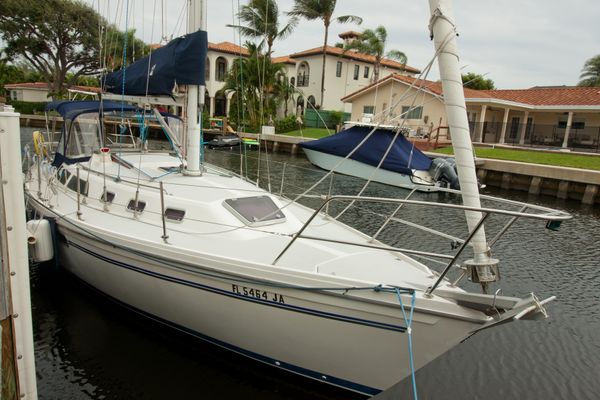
[
  {"x": 9, "y": 73},
  {"x": 113, "y": 42},
  {"x": 475, "y": 81},
  {"x": 285, "y": 91},
  {"x": 323, "y": 10},
  {"x": 254, "y": 81},
  {"x": 53, "y": 36},
  {"x": 590, "y": 73},
  {"x": 261, "y": 19},
  {"x": 373, "y": 42}
]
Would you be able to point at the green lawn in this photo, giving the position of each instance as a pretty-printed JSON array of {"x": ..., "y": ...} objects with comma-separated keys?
[
  {"x": 313, "y": 133},
  {"x": 535, "y": 157}
]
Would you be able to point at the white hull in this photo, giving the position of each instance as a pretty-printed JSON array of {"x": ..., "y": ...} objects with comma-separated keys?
[
  {"x": 340, "y": 340},
  {"x": 421, "y": 180},
  {"x": 234, "y": 285}
]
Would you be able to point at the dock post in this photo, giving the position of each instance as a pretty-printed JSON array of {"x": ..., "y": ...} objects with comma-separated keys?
[
  {"x": 563, "y": 190},
  {"x": 482, "y": 175},
  {"x": 591, "y": 191},
  {"x": 15, "y": 311},
  {"x": 535, "y": 187},
  {"x": 506, "y": 180}
]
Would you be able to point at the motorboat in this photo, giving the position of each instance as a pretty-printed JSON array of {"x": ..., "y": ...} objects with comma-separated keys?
[{"x": 381, "y": 154}]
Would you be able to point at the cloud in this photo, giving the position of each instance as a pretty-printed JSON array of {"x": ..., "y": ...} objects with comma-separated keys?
[{"x": 519, "y": 43}]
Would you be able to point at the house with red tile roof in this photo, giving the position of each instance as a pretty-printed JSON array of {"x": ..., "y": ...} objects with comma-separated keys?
[
  {"x": 346, "y": 72},
  {"x": 39, "y": 91},
  {"x": 558, "y": 116},
  {"x": 219, "y": 60}
]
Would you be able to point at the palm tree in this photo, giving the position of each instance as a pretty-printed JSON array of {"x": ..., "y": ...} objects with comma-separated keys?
[
  {"x": 262, "y": 21},
  {"x": 373, "y": 42},
  {"x": 254, "y": 81},
  {"x": 323, "y": 10},
  {"x": 285, "y": 92},
  {"x": 590, "y": 73}
]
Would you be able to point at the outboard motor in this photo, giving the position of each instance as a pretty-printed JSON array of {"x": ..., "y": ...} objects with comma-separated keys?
[{"x": 443, "y": 170}]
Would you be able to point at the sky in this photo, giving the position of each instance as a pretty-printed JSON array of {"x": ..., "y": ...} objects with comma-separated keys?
[{"x": 516, "y": 43}]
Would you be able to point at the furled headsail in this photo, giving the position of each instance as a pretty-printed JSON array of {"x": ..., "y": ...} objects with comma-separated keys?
[{"x": 180, "y": 62}]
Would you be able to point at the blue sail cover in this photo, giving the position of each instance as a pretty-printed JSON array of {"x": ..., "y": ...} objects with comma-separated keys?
[
  {"x": 180, "y": 62},
  {"x": 372, "y": 151}
]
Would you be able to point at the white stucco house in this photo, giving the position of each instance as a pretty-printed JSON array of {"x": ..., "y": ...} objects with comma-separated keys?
[
  {"x": 346, "y": 72},
  {"x": 28, "y": 91},
  {"x": 557, "y": 116}
]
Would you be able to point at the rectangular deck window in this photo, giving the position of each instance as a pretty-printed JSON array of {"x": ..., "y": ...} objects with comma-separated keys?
[
  {"x": 107, "y": 197},
  {"x": 255, "y": 211},
  {"x": 63, "y": 176},
  {"x": 174, "y": 214},
  {"x": 139, "y": 207},
  {"x": 83, "y": 185}
]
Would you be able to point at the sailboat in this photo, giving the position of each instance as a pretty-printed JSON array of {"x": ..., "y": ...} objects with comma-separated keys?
[{"x": 210, "y": 253}]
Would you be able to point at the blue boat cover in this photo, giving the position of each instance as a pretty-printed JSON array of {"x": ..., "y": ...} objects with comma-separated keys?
[
  {"x": 402, "y": 158},
  {"x": 69, "y": 110},
  {"x": 180, "y": 62}
]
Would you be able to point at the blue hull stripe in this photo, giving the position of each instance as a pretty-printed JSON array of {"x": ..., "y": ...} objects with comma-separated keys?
[
  {"x": 267, "y": 360},
  {"x": 344, "y": 318}
]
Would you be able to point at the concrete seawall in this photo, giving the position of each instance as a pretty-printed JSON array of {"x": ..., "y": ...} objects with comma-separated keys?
[{"x": 536, "y": 179}]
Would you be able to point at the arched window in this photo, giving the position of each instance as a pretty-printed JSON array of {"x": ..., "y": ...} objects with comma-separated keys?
[
  {"x": 303, "y": 74},
  {"x": 312, "y": 101},
  {"x": 221, "y": 69},
  {"x": 293, "y": 81}
]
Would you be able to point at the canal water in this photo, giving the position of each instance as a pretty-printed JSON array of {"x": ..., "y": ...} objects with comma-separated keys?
[{"x": 90, "y": 348}]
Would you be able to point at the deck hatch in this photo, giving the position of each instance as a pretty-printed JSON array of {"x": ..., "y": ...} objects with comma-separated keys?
[{"x": 255, "y": 211}]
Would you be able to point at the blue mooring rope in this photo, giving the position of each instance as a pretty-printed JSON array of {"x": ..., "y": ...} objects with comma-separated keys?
[
  {"x": 122, "y": 128},
  {"x": 408, "y": 322}
]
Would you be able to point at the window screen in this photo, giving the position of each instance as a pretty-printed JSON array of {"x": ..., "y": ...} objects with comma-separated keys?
[
  {"x": 412, "y": 112},
  {"x": 254, "y": 211}
]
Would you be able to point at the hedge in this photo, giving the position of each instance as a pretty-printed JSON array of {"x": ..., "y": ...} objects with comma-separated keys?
[{"x": 28, "y": 107}]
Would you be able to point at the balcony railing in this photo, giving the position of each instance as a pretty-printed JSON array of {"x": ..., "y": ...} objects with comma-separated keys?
[{"x": 584, "y": 139}]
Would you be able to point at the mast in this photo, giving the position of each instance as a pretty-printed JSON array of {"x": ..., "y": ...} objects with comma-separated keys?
[
  {"x": 482, "y": 267},
  {"x": 195, "y": 94}
]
